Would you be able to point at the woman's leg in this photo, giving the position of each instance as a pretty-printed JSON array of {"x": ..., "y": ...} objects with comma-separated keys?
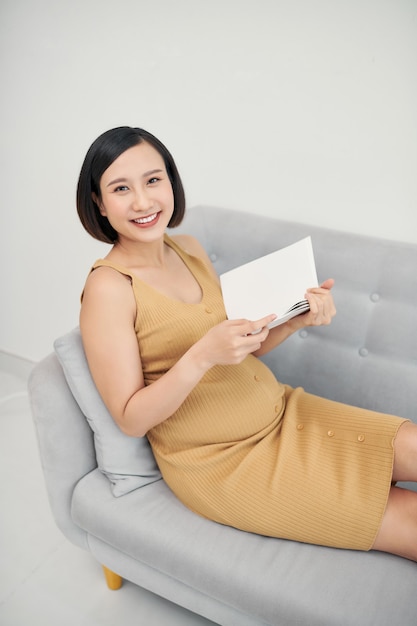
[
  {"x": 405, "y": 453},
  {"x": 398, "y": 532}
]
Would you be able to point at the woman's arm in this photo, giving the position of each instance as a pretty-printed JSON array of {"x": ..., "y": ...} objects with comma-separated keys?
[{"x": 107, "y": 323}]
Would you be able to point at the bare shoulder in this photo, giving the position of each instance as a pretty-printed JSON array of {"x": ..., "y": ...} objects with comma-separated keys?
[
  {"x": 192, "y": 246},
  {"x": 107, "y": 290},
  {"x": 104, "y": 280}
]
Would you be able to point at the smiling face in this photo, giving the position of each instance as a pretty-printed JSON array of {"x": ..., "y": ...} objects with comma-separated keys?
[{"x": 136, "y": 194}]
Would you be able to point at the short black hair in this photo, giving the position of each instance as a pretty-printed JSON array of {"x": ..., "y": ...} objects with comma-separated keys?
[{"x": 101, "y": 154}]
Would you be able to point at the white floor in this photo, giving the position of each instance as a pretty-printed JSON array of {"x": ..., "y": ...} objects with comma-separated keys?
[{"x": 44, "y": 579}]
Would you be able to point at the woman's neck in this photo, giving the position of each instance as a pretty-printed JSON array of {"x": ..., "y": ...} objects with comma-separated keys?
[{"x": 139, "y": 254}]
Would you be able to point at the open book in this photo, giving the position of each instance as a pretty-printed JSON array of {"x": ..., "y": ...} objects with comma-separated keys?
[{"x": 275, "y": 283}]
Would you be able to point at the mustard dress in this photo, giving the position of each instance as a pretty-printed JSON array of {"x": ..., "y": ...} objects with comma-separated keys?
[{"x": 247, "y": 451}]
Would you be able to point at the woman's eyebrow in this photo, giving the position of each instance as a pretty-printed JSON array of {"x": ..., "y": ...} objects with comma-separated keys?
[
  {"x": 116, "y": 180},
  {"x": 123, "y": 180},
  {"x": 157, "y": 171}
]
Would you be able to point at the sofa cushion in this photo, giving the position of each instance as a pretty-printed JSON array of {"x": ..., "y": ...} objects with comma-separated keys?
[{"x": 127, "y": 462}]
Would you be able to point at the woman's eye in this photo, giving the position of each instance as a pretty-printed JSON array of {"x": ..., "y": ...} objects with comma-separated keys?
[
  {"x": 121, "y": 188},
  {"x": 153, "y": 180}
]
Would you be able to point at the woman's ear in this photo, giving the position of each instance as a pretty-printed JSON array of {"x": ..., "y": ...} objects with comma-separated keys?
[{"x": 98, "y": 202}]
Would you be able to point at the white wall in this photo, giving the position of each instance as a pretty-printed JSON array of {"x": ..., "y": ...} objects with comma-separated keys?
[{"x": 304, "y": 109}]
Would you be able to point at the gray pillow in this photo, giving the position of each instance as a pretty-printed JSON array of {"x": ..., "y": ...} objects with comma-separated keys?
[{"x": 127, "y": 462}]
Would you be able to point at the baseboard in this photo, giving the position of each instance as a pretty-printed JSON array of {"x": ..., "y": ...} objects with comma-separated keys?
[{"x": 16, "y": 365}]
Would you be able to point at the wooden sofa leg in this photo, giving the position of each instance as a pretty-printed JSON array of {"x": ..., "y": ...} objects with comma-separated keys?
[{"x": 114, "y": 581}]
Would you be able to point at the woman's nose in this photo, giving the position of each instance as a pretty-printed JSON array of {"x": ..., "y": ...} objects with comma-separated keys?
[{"x": 142, "y": 201}]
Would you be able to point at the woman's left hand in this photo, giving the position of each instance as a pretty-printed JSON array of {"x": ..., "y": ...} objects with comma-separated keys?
[{"x": 322, "y": 308}]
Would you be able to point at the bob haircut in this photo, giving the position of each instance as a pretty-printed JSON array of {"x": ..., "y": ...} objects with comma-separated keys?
[{"x": 101, "y": 154}]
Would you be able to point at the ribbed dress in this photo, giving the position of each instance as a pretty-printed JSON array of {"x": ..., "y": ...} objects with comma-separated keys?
[{"x": 249, "y": 452}]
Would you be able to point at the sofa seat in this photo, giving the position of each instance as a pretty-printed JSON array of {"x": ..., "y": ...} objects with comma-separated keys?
[{"x": 309, "y": 585}]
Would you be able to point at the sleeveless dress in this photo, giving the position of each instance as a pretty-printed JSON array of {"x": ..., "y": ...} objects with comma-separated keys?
[{"x": 247, "y": 451}]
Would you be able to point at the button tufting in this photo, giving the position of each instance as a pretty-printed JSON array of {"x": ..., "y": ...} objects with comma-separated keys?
[
  {"x": 300, "y": 426},
  {"x": 330, "y": 433},
  {"x": 363, "y": 352},
  {"x": 361, "y": 438},
  {"x": 303, "y": 334},
  {"x": 208, "y": 310},
  {"x": 375, "y": 297},
  {"x": 257, "y": 378}
]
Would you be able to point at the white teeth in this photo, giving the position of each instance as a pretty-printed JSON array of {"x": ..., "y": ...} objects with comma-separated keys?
[{"x": 145, "y": 220}]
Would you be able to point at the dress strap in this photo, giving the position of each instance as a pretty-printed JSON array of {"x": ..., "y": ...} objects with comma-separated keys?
[{"x": 115, "y": 266}]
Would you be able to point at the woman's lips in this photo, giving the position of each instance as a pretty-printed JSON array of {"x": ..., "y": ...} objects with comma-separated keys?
[{"x": 147, "y": 221}]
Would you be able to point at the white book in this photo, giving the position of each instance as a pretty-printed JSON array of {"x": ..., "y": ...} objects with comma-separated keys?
[{"x": 274, "y": 283}]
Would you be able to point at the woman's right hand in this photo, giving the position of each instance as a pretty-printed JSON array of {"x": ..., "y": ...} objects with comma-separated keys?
[{"x": 229, "y": 342}]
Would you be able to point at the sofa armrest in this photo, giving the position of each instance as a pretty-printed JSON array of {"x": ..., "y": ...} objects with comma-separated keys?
[{"x": 65, "y": 441}]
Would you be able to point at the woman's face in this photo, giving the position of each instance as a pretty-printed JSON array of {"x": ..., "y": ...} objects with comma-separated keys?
[{"x": 136, "y": 194}]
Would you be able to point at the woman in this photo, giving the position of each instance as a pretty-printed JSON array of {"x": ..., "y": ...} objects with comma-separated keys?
[{"x": 234, "y": 444}]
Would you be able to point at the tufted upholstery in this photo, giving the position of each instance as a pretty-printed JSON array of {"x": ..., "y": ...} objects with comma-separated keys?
[{"x": 367, "y": 357}]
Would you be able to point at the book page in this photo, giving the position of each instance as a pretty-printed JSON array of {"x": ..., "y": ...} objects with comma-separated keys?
[{"x": 273, "y": 283}]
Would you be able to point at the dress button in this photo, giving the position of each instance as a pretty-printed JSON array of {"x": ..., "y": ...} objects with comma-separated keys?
[
  {"x": 303, "y": 334},
  {"x": 330, "y": 433},
  {"x": 257, "y": 378},
  {"x": 361, "y": 438},
  {"x": 300, "y": 426},
  {"x": 208, "y": 310}
]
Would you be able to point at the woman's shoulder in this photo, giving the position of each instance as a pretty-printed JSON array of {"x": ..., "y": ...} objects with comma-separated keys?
[
  {"x": 192, "y": 246},
  {"x": 105, "y": 280},
  {"x": 189, "y": 244}
]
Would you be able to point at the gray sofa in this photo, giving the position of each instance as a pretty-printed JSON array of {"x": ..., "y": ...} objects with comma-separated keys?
[{"x": 130, "y": 521}]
